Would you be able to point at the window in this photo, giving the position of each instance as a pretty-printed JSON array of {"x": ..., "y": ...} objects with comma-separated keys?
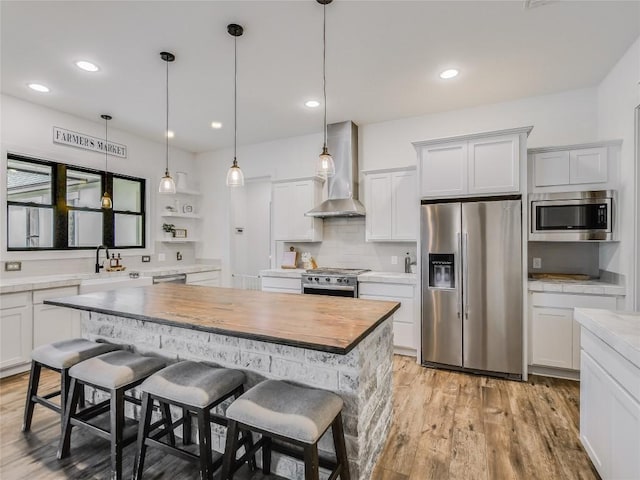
[{"x": 53, "y": 206}]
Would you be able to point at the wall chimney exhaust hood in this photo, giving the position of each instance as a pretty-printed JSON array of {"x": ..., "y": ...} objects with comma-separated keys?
[{"x": 342, "y": 140}]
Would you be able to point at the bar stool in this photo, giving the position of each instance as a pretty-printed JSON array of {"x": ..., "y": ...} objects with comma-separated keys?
[
  {"x": 293, "y": 414},
  {"x": 194, "y": 387},
  {"x": 59, "y": 357},
  {"x": 115, "y": 373}
]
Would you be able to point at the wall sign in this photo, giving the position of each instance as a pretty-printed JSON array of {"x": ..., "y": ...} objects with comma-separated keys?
[{"x": 87, "y": 142}]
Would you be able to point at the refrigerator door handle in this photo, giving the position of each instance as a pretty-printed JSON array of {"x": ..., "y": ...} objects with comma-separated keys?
[
  {"x": 465, "y": 275},
  {"x": 459, "y": 287}
]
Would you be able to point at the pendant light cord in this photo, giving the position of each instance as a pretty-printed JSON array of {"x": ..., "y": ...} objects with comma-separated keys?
[
  {"x": 324, "y": 68},
  {"x": 106, "y": 144},
  {"x": 166, "y": 133},
  {"x": 235, "y": 98}
]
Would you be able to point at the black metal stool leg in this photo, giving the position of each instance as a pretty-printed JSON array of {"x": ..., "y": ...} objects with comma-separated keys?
[
  {"x": 229, "y": 461},
  {"x": 204, "y": 438},
  {"x": 311, "y": 461},
  {"x": 341, "y": 449},
  {"x": 65, "y": 384},
  {"x": 143, "y": 433},
  {"x": 266, "y": 455},
  {"x": 72, "y": 404},
  {"x": 168, "y": 423},
  {"x": 186, "y": 427},
  {"x": 117, "y": 427},
  {"x": 34, "y": 380}
]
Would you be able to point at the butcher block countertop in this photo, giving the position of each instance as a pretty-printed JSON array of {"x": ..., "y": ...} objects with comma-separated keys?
[{"x": 317, "y": 322}]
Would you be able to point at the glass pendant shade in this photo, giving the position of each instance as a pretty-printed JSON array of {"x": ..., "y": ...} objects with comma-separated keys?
[
  {"x": 235, "y": 177},
  {"x": 167, "y": 185},
  {"x": 325, "y": 167},
  {"x": 106, "y": 201}
]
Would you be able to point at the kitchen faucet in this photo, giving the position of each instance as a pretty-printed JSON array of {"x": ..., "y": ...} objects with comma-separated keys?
[{"x": 98, "y": 266}]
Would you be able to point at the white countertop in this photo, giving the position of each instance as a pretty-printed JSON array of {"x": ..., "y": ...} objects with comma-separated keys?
[
  {"x": 22, "y": 284},
  {"x": 378, "y": 277},
  {"x": 593, "y": 287},
  {"x": 619, "y": 330}
]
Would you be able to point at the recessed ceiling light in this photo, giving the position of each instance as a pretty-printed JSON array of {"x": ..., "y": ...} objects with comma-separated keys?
[
  {"x": 38, "y": 88},
  {"x": 452, "y": 72},
  {"x": 170, "y": 134},
  {"x": 216, "y": 125},
  {"x": 312, "y": 103},
  {"x": 87, "y": 66}
]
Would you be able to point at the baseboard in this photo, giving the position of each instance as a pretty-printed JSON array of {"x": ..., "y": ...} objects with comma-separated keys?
[
  {"x": 554, "y": 372},
  {"x": 409, "y": 352}
]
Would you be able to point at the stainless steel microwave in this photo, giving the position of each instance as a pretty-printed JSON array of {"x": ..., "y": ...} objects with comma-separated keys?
[{"x": 573, "y": 216}]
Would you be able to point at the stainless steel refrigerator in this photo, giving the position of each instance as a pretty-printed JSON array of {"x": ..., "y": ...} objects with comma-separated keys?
[{"x": 472, "y": 285}]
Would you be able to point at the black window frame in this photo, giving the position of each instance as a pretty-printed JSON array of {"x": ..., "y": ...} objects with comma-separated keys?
[{"x": 61, "y": 208}]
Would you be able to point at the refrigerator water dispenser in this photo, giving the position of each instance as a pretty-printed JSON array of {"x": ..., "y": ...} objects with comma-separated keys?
[{"x": 442, "y": 270}]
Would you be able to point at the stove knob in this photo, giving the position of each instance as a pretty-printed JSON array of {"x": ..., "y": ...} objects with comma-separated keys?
[
  {"x": 327, "y": 279},
  {"x": 309, "y": 279},
  {"x": 316, "y": 279},
  {"x": 339, "y": 280}
]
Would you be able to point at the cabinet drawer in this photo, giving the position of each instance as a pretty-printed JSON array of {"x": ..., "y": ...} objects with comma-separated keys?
[
  {"x": 386, "y": 290},
  {"x": 281, "y": 283},
  {"x": 203, "y": 276},
  {"x": 558, "y": 300},
  {"x": 13, "y": 300},
  {"x": 40, "y": 295}
]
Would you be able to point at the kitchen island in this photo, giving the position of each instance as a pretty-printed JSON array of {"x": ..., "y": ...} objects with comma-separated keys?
[{"x": 340, "y": 344}]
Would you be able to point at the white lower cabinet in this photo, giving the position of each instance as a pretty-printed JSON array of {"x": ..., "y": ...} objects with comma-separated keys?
[
  {"x": 404, "y": 335},
  {"x": 15, "y": 329},
  {"x": 554, "y": 336},
  {"x": 281, "y": 284},
  {"x": 609, "y": 413},
  {"x": 51, "y": 323},
  {"x": 206, "y": 279}
]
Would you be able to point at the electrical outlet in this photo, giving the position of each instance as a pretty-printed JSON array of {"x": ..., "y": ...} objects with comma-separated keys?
[
  {"x": 394, "y": 260},
  {"x": 162, "y": 257},
  {"x": 12, "y": 266},
  {"x": 146, "y": 258},
  {"x": 537, "y": 262},
  {"x": 178, "y": 256}
]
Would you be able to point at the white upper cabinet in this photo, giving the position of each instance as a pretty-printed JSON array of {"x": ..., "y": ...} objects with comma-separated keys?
[
  {"x": 392, "y": 204},
  {"x": 479, "y": 164},
  {"x": 290, "y": 201},
  {"x": 574, "y": 167}
]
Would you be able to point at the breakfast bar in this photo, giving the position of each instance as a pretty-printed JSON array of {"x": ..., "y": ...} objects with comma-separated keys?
[{"x": 343, "y": 345}]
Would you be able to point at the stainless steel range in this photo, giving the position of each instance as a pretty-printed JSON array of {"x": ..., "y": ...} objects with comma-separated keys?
[{"x": 336, "y": 282}]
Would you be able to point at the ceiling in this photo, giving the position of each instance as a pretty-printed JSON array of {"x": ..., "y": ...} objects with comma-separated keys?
[{"x": 383, "y": 59}]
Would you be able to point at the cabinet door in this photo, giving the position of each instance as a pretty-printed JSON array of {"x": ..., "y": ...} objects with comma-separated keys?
[
  {"x": 52, "y": 324},
  {"x": 551, "y": 168},
  {"x": 15, "y": 335},
  {"x": 443, "y": 170},
  {"x": 379, "y": 206},
  {"x": 494, "y": 164},
  {"x": 552, "y": 337},
  {"x": 281, "y": 203},
  {"x": 404, "y": 206},
  {"x": 589, "y": 165},
  {"x": 625, "y": 433}
]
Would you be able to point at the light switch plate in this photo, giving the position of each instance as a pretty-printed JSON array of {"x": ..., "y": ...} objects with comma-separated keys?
[
  {"x": 146, "y": 258},
  {"x": 162, "y": 257},
  {"x": 537, "y": 262},
  {"x": 12, "y": 266},
  {"x": 394, "y": 260}
]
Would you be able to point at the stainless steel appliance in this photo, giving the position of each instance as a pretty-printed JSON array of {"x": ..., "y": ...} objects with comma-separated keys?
[
  {"x": 472, "y": 285},
  {"x": 336, "y": 282},
  {"x": 573, "y": 216},
  {"x": 176, "y": 278}
]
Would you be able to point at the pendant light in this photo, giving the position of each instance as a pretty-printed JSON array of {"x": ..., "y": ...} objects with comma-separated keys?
[
  {"x": 235, "y": 177},
  {"x": 106, "y": 198},
  {"x": 167, "y": 185},
  {"x": 325, "y": 166}
]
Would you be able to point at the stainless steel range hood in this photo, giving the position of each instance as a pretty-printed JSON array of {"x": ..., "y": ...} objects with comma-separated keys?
[{"x": 342, "y": 140}]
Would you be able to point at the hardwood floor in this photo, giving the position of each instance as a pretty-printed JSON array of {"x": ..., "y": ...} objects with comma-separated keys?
[{"x": 446, "y": 425}]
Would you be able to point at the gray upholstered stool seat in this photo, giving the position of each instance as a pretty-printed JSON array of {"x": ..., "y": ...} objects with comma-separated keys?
[
  {"x": 67, "y": 353},
  {"x": 299, "y": 413},
  {"x": 115, "y": 369},
  {"x": 115, "y": 373},
  {"x": 192, "y": 383},
  {"x": 197, "y": 388},
  {"x": 58, "y": 356},
  {"x": 291, "y": 414}
]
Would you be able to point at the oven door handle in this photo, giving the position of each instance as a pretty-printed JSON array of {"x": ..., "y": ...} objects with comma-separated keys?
[{"x": 329, "y": 287}]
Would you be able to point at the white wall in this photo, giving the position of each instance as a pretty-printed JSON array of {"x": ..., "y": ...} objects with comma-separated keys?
[
  {"x": 564, "y": 118},
  {"x": 27, "y": 129},
  {"x": 617, "y": 97}
]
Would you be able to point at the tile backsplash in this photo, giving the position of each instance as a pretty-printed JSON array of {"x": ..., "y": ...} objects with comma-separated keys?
[{"x": 344, "y": 246}]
